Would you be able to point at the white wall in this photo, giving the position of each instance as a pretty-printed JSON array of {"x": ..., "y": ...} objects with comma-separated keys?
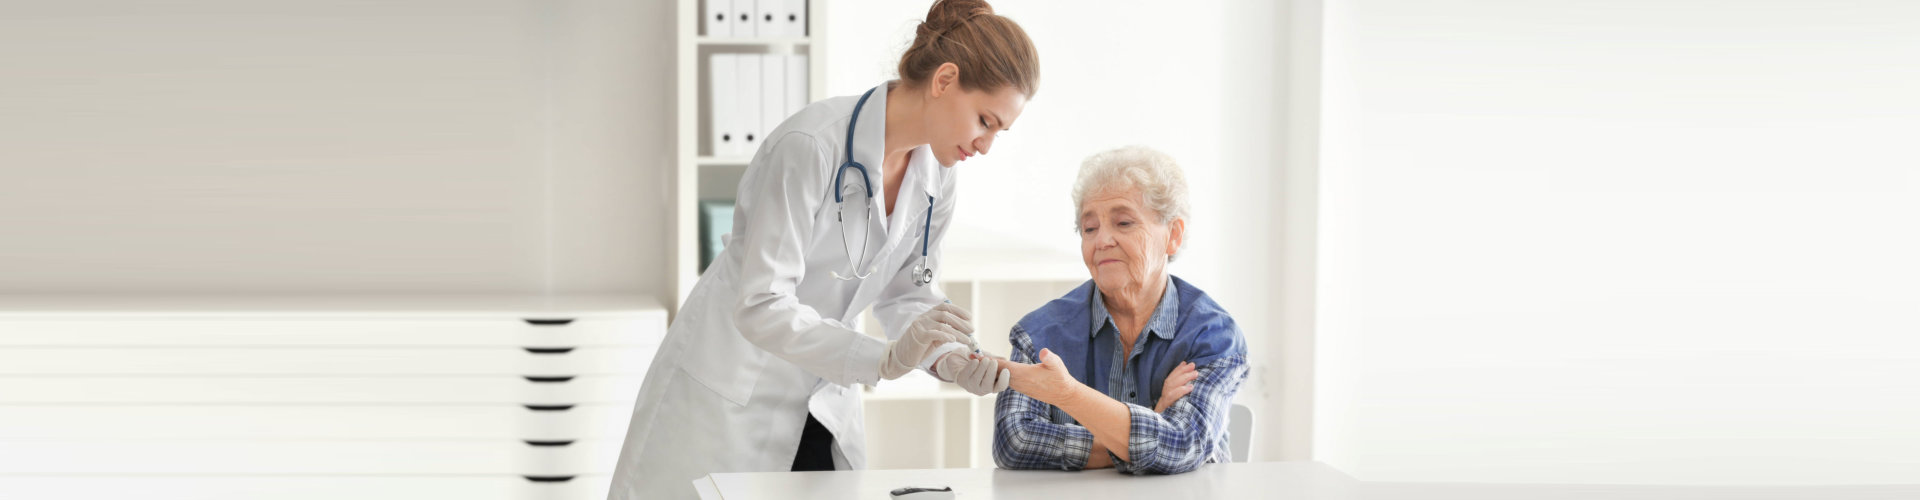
[
  {"x": 1202, "y": 81},
  {"x": 422, "y": 146},
  {"x": 1620, "y": 241}
]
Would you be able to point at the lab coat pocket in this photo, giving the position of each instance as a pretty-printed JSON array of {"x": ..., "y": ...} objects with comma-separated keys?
[{"x": 724, "y": 362}]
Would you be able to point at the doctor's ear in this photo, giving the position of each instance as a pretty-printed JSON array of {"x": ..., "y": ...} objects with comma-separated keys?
[{"x": 946, "y": 78}]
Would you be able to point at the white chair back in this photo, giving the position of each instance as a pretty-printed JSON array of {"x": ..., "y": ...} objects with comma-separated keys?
[{"x": 1240, "y": 432}]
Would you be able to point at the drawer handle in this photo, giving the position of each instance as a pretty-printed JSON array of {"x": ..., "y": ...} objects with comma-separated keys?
[
  {"x": 549, "y": 407},
  {"x": 531, "y": 442},
  {"x": 549, "y": 479},
  {"x": 531, "y": 378},
  {"x": 549, "y": 321},
  {"x": 549, "y": 350}
]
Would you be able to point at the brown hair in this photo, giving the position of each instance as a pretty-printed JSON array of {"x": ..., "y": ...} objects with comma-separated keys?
[{"x": 991, "y": 51}]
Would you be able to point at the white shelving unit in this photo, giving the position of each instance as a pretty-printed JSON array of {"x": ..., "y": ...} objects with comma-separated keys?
[{"x": 698, "y": 173}]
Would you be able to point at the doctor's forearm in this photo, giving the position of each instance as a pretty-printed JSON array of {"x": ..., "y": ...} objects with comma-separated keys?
[{"x": 1108, "y": 419}]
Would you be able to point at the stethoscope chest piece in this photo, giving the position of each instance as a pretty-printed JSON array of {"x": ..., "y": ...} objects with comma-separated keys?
[{"x": 922, "y": 275}]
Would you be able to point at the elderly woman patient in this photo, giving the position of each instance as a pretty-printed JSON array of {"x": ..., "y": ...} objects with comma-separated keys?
[{"x": 1135, "y": 369}]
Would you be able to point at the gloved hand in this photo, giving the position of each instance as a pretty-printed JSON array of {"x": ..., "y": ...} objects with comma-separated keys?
[
  {"x": 944, "y": 323},
  {"x": 978, "y": 374}
]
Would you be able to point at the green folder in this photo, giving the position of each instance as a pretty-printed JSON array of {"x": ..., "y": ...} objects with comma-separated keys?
[{"x": 716, "y": 219}]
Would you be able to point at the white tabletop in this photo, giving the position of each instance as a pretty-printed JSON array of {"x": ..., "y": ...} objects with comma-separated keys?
[
  {"x": 1240, "y": 480},
  {"x": 1288, "y": 480}
]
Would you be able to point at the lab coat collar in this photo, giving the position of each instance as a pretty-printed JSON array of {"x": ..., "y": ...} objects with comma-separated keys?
[
  {"x": 869, "y": 148},
  {"x": 910, "y": 216}
]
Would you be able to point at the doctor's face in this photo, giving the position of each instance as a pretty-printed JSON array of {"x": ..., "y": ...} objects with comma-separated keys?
[
  {"x": 1124, "y": 244},
  {"x": 963, "y": 122}
]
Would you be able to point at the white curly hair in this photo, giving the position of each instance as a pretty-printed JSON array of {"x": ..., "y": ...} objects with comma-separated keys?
[{"x": 1162, "y": 185}]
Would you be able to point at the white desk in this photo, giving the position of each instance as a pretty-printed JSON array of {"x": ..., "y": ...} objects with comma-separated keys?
[
  {"x": 1304, "y": 480},
  {"x": 1286, "y": 480}
]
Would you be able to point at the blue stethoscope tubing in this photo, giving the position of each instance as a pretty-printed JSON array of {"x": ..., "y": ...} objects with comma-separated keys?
[{"x": 922, "y": 273}]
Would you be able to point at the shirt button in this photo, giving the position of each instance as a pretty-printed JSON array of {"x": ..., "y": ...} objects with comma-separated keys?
[{"x": 1129, "y": 395}]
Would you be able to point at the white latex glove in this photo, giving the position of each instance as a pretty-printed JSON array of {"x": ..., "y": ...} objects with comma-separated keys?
[
  {"x": 944, "y": 323},
  {"x": 978, "y": 374}
]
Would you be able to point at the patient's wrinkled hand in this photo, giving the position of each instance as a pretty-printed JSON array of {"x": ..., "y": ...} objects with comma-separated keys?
[
  {"x": 1178, "y": 385},
  {"x": 1047, "y": 381}
]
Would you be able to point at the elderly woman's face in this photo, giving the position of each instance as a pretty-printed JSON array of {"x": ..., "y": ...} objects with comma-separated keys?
[{"x": 1123, "y": 242}]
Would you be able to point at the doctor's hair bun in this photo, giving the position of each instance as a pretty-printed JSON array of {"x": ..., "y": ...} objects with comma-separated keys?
[
  {"x": 950, "y": 14},
  {"x": 992, "y": 51}
]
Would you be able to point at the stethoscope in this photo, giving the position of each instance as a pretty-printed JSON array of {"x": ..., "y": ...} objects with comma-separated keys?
[{"x": 922, "y": 272}]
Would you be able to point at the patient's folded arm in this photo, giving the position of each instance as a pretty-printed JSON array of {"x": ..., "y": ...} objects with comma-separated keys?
[{"x": 1099, "y": 459}]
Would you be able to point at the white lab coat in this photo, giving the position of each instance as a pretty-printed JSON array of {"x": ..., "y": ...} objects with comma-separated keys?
[{"x": 766, "y": 335}]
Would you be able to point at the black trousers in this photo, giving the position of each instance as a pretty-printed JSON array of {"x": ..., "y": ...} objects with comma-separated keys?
[{"x": 816, "y": 447}]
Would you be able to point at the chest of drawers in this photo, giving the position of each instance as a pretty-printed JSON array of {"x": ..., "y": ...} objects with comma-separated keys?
[{"x": 511, "y": 397}]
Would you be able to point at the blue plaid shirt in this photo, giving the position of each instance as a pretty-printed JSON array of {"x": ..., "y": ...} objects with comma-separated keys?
[{"x": 1186, "y": 326}]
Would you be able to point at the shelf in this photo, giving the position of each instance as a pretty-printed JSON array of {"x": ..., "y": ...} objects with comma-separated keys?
[
  {"x": 984, "y": 254},
  {"x": 750, "y": 42},
  {"x": 723, "y": 161},
  {"x": 1012, "y": 265},
  {"x": 947, "y": 392}
]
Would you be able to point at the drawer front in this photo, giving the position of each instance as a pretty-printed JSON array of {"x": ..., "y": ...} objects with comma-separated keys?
[
  {"x": 173, "y": 423},
  {"x": 323, "y": 361},
  {"x": 579, "y": 487},
  {"x": 244, "y": 331},
  {"x": 125, "y": 457},
  {"x": 514, "y": 389}
]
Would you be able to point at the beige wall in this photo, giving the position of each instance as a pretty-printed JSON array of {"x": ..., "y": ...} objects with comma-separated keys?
[{"x": 418, "y": 146}]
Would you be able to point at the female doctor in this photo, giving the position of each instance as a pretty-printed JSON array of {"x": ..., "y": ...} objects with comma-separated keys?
[{"x": 842, "y": 208}]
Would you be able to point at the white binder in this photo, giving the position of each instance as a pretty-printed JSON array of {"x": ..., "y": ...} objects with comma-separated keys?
[
  {"x": 721, "y": 101},
  {"x": 796, "y": 85},
  {"x": 773, "y": 92},
  {"x": 770, "y": 15},
  {"x": 796, "y": 18},
  {"x": 744, "y": 20},
  {"x": 747, "y": 111},
  {"x": 717, "y": 21}
]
